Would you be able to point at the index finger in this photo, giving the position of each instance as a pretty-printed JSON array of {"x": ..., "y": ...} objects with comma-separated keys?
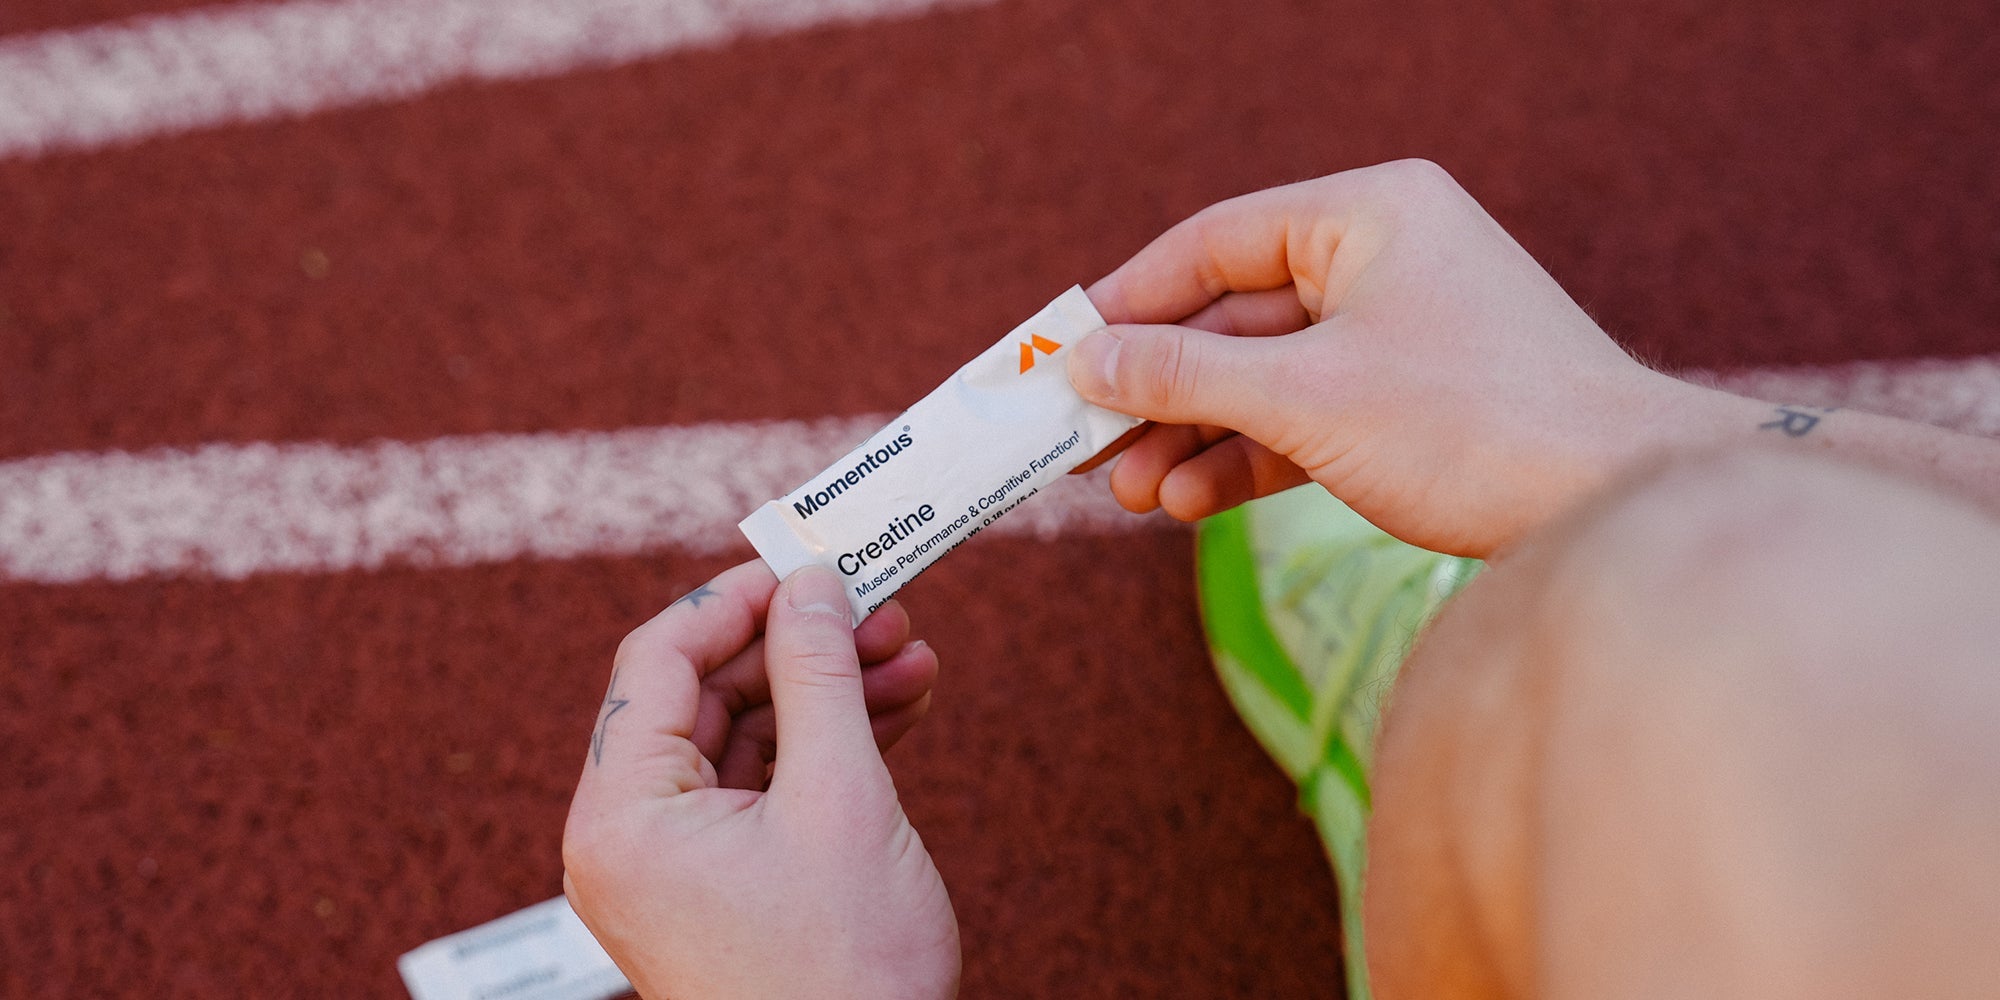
[
  {"x": 1252, "y": 243},
  {"x": 642, "y": 740},
  {"x": 1237, "y": 314}
]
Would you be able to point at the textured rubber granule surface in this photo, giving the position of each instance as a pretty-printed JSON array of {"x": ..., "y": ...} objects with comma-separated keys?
[{"x": 274, "y": 786}]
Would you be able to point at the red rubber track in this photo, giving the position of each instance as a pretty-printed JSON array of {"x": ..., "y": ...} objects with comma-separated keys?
[
  {"x": 20, "y": 16},
  {"x": 831, "y": 221},
  {"x": 273, "y": 787}
]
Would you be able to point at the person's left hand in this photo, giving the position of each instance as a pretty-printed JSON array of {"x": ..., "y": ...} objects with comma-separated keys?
[{"x": 735, "y": 832}]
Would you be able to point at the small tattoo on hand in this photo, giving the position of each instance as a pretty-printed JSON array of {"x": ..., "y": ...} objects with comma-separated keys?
[
  {"x": 1797, "y": 421},
  {"x": 612, "y": 703},
  {"x": 694, "y": 596}
]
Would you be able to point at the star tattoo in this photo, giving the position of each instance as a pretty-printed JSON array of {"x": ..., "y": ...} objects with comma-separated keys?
[
  {"x": 612, "y": 703},
  {"x": 694, "y": 597}
]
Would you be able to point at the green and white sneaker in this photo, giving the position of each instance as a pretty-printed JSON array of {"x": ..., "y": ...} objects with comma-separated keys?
[{"x": 1310, "y": 611}]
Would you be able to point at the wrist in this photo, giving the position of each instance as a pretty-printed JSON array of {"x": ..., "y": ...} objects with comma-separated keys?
[
  {"x": 1644, "y": 415},
  {"x": 1693, "y": 417}
]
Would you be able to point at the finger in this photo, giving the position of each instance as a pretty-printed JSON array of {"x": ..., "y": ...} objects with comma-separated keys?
[
  {"x": 1253, "y": 243},
  {"x": 901, "y": 679},
  {"x": 816, "y": 690},
  {"x": 713, "y": 720},
  {"x": 882, "y": 634},
  {"x": 642, "y": 741},
  {"x": 1270, "y": 313},
  {"x": 1238, "y": 314},
  {"x": 752, "y": 745},
  {"x": 742, "y": 681},
  {"x": 890, "y": 678},
  {"x": 1135, "y": 480},
  {"x": 746, "y": 748},
  {"x": 1230, "y": 472},
  {"x": 1178, "y": 375},
  {"x": 892, "y": 726},
  {"x": 1110, "y": 451}
]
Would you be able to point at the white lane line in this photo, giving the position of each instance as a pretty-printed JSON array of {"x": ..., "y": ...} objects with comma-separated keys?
[
  {"x": 163, "y": 74},
  {"x": 235, "y": 510}
]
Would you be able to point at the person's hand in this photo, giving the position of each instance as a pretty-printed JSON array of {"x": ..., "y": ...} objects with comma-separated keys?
[
  {"x": 735, "y": 833},
  {"x": 1377, "y": 332}
]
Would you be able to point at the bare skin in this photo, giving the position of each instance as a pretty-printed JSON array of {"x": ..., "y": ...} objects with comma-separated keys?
[
  {"x": 788, "y": 869},
  {"x": 1727, "y": 730},
  {"x": 1731, "y": 730},
  {"x": 1377, "y": 332}
]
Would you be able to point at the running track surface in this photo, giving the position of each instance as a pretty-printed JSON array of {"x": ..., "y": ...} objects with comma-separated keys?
[{"x": 273, "y": 783}]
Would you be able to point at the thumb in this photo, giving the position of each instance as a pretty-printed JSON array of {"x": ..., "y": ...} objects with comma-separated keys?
[
  {"x": 1176, "y": 375},
  {"x": 824, "y": 737}
]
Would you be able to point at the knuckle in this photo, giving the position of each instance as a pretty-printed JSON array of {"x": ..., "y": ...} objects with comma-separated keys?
[
  {"x": 649, "y": 647},
  {"x": 1175, "y": 372},
  {"x": 1420, "y": 175},
  {"x": 828, "y": 669},
  {"x": 680, "y": 766},
  {"x": 1412, "y": 185},
  {"x": 1208, "y": 262},
  {"x": 636, "y": 645}
]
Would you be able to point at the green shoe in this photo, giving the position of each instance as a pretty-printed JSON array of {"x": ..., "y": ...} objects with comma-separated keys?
[{"x": 1310, "y": 611}]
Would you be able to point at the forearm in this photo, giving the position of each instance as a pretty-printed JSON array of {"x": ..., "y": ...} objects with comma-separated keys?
[
  {"x": 1610, "y": 751},
  {"x": 1964, "y": 464}
]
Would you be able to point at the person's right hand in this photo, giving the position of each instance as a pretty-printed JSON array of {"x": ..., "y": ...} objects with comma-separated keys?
[{"x": 1377, "y": 332}]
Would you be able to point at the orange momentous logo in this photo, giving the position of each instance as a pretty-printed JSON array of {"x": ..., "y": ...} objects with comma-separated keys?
[{"x": 1038, "y": 343}]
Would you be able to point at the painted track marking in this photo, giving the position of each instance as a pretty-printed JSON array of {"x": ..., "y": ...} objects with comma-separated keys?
[
  {"x": 128, "y": 80},
  {"x": 235, "y": 510}
]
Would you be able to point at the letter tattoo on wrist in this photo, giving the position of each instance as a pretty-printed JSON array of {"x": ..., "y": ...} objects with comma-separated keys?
[{"x": 1797, "y": 421}]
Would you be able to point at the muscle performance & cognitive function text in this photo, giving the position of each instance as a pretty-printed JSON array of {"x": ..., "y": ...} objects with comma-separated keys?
[{"x": 986, "y": 440}]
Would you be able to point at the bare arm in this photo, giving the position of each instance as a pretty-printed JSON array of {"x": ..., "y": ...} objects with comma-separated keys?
[
  {"x": 1962, "y": 463},
  {"x": 1376, "y": 331}
]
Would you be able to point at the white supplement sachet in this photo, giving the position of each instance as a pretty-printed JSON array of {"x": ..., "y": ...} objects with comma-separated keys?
[
  {"x": 541, "y": 953},
  {"x": 998, "y": 430}
]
